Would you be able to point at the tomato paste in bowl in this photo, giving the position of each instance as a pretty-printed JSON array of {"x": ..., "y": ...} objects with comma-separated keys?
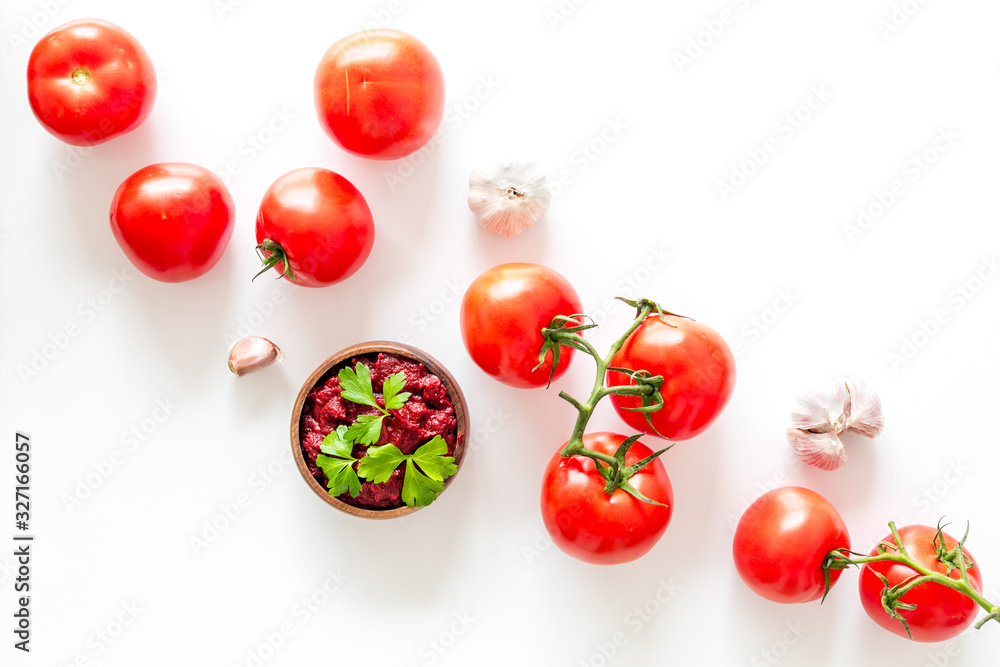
[{"x": 435, "y": 407}]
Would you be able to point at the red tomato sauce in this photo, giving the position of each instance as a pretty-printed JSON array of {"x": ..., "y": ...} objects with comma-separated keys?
[{"x": 428, "y": 412}]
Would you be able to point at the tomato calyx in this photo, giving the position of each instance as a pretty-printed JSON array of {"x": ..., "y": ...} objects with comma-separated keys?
[
  {"x": 953, "y": 559},
  {"x": 613, "y": 469},
  {"x": 639, "y": 304},
  {"x": 271, "y": 254},
  {"x": 649, "y": 385},
  {"x": 565, "y": 331}
]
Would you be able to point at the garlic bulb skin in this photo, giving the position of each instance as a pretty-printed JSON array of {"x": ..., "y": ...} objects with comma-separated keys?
[
  {"x": 510, "y": 197},
  {"x": 824, "y": 412},
  {"x": 821, "y": 450},
  {"x": 251, "y": 354},
  {"x": 821, "y": 409},
  {"x": 865, "y": 413}
]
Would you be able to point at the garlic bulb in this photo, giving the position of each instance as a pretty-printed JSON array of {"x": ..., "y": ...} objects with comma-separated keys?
[
  {"x": 510, "y": 197},
  {"x": 824, "y": 413},
  {"x": 252, "y": 353}
]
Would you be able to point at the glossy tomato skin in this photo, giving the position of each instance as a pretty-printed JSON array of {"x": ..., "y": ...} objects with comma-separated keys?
[
  {"x": 173, "y": 220},
  {"x": 379, "y": 94},
  {"x": 503, "y": 313},
  {"x": 322, "y": 222},
  {"x": 941, "y": 613},
  {"x": 782, "y": 540},
  {"x": 596, "y": 528},
  {"x": 90, "y": 81},
  {"x": 699, "y": 373}
]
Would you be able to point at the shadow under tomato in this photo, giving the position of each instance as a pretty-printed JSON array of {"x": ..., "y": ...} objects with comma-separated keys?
[
  {"x": 180, "y": 326},
  {"x": 85, "y": 179},
  {"x": 801, "y": 634},
  {"x": 400, "y": 193},
  {"x": 316, "y": 322}
]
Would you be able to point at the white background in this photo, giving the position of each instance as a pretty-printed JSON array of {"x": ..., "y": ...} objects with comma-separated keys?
[{"x": 524, "y": 81}]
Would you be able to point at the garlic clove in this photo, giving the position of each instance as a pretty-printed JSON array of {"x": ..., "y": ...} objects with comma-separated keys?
[
  {"x": 821, "y": 409},
  {"x": 252, "y": 353},
  {"x": 822, "y": 450},
  {"x": 510, "y": 197}
]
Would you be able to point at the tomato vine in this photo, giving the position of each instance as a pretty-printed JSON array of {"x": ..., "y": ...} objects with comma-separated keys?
[
  {"x": 565, "y": 331},
  {"x": 895, "y": 551}
]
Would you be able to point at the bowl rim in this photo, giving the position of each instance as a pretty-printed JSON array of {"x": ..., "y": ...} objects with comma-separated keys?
[{"x": 433, "y": 366}]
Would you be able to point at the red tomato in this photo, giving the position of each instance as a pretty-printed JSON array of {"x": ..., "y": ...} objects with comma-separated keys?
[
  {"x": 173, "y": 220},
  {"x": 379, "y": 94},
  {"x": 941, "y": 612},
  {"x": 320, "y": 222},
  {"x": 594, "y": 527},
  {"x": 699, "y": 374},
  {"x": 90, "y": 81},
  {"x": 782, "y": 540},
  {"x": 503, "y": 313}
]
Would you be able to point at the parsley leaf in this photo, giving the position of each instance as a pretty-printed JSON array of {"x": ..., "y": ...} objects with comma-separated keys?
[
  {"x": 392, "y": 392},
  {"x": 337, "y": 444},
  {"x": 377, "y": 466},
  {"x": 339, "y": 467},
  {"x": 366, "y": 430},
  {"x": 340, "y": 475},
  {"x": 419, "y": 489},
  {"x": 426, "y": 469},
  {"x": 356, "y": 385},
  {"x": 432, "y": 460}
]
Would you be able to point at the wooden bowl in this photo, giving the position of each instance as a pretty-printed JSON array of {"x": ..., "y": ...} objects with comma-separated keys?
[{"x": 432, "y": 365}]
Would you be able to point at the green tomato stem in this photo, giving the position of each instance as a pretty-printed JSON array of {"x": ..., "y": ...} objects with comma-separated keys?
[
  {"x": 612, "y": 468},
  {"x": 271, "y": 254},
  {"x": 838, "y": 559},
  {"x": 585, "y": 410}
]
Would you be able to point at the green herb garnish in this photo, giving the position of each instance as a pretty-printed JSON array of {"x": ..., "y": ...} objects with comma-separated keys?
[
  {"x": 426, "y": 468},
  {"x": 339, "y": 465},
  {"x": 356, "y": 386}
]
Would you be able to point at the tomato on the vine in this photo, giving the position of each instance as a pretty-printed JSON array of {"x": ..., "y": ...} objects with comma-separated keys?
[
  {"x": 173, "y": 220},
  {"x": 782, "y": 541},
  {"x": 90, "y": 81},
  {"x": 379, "y": 94},
  {"x": 699, "y": 373},
  {"x": 503, "y": 313},
  {"x": 587, "y": 523},
  {"x": 941, "y": 613},
  {"x": 314, "y": 227}
]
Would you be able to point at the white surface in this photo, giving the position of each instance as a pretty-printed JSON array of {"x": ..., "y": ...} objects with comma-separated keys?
[{"x": 480, "y": 553}]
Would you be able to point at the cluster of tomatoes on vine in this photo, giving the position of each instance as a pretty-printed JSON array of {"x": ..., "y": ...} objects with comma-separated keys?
[{"x": 606, "y": 498}]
